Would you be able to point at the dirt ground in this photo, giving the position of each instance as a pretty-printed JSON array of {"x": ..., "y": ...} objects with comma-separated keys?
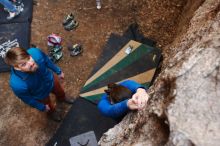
[{"x": 22, "y": 125}]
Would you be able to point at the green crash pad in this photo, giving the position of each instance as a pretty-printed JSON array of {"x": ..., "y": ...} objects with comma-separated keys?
[{"x": 139, "y": 65}]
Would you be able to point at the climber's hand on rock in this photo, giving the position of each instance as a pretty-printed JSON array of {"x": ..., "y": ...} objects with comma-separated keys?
[
  {"x": 141, "y": 97},
  {"x": 132, "y": 104}
]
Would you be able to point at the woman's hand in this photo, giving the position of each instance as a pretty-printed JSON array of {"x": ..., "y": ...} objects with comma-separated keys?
[
  {"x": 132, "y": 104},
  {"x": 138, "y": 100}
]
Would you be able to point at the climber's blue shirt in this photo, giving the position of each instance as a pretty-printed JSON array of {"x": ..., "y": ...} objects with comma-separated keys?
[
  {"x": 120, "y": 109},
  {"x": 31, "y": 87}
]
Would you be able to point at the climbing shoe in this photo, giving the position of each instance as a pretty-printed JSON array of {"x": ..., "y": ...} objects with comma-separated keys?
[
  {"x": 54, "y": 40},
  {"x": 55, "y": 116},
  {"x": 54, "y": 57},
  {"x": 55, "y": 49},
  {"x": 75, "y": 50},
  {"x": 67, "y": 19},
  {"x": 73, "y": 47},
  {"x": 71, "y": 25},
  {"x": 19, "y": 5},
  {"x": 13, "y": 15}
]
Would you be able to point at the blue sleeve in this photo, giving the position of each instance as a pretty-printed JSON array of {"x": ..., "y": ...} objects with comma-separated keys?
[
  {"x": 51, "y": 65},
  {"x": 131, "y": 85},
  {"x": 114, "y": 111},
  {"x": 119, "y": 109},
  {"x": 24, "y": 95}
]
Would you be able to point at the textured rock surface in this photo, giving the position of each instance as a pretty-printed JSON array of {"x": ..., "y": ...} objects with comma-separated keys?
[
  {"x": 137, "y": 129},
  {"x": 186, "y": 93},
  {"x": 195, "y": 111}
]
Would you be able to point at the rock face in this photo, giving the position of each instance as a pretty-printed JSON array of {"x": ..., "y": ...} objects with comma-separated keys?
[
  {"x": 195, "y": 111},
  {"x": 184, "y": 109}
]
